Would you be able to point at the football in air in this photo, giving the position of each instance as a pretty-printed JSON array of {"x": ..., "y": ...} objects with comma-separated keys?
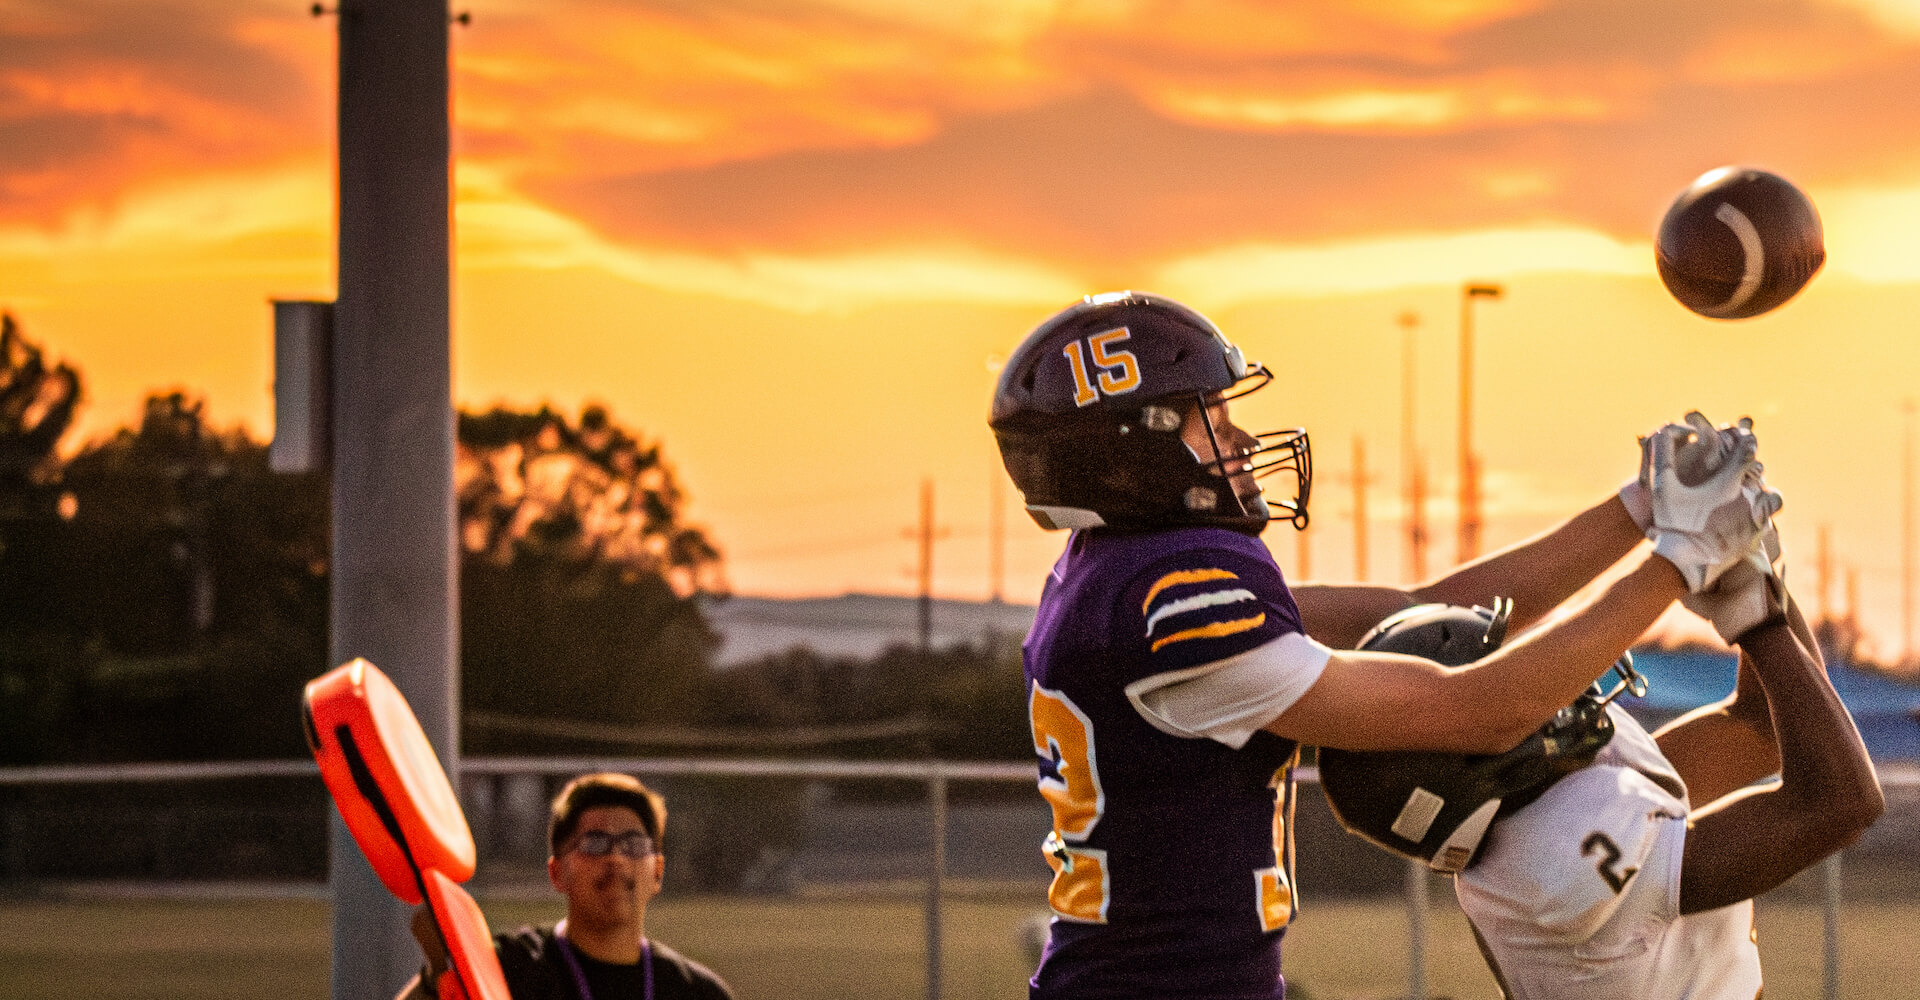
[{"x": 1738, "y": 242}]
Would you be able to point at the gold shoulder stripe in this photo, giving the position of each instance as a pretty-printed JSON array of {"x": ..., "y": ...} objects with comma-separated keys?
[
  {"x": 1180, "y": 576},
  {"x": 1213, "y": 631}
]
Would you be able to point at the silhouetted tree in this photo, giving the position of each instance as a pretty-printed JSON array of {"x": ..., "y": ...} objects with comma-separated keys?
[
  {"x": 531, "y": 484},
  {"x": 164, "y": 595},
  {"x": 179, "y": 603},
  {"x": 197, "y": 581},
  {"x": 578, "y": 575},
  {"x": 37, "y": 403}
]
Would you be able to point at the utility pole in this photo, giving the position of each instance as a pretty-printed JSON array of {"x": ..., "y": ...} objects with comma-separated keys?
[
  {"x": 926, "y": 565},
  {"x": 1412, "y": 472},
  {"x": 1417, "y": 514},
  {"x": 1853, "y": 595},
  {"x": 997, "y": 538},
  {"x": 394, "y": 599},
  {"x": 1907, "y": 651},
  {"x": 1823, "y": 568},
  {"x": 1360, "y": 481},
  {"x": 924, "y": 537},
  {"x": 1470, "y": 514},
  {"x": 997, "y": 514}
]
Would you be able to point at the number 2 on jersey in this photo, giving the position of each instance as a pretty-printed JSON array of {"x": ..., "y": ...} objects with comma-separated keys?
[
  {"x": 1063, "y": 734},
  {"x": 1609, "y": 865}
]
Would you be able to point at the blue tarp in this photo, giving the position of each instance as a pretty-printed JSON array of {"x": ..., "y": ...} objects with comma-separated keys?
[{"x": 1886, "y": 711}]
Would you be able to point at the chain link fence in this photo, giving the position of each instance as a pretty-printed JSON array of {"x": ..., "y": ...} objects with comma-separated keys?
[{"x": 928, "y": 836}]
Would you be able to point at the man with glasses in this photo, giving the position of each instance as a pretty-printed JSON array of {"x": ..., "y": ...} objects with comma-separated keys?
[{"x": 604, "y": 833}]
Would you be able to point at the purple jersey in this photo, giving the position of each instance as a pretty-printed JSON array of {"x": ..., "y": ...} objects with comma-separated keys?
[{"x": 1172, "y": 856}]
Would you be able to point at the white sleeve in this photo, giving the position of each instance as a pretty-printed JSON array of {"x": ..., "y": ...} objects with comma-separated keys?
[{"x": 1228, "y": 700}]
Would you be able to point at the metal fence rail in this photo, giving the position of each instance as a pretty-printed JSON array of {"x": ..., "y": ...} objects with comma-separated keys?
[{"x": 935, "y": 775}]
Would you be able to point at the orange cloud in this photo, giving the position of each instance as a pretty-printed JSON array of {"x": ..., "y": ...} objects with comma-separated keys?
[
  {"x": 731, "y": 210},
  {"x": 617, "y": 87},
  {"x": 1395, "y": 106},
  {"x": 501, "y": 230},
  {"x": 1036, "y": 127},
  {"x": 1095, "y": 135},
  {"x": 98, "y": 97}
]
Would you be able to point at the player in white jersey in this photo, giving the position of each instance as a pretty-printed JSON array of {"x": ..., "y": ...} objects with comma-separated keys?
[{"x": 1582, "y": 864}]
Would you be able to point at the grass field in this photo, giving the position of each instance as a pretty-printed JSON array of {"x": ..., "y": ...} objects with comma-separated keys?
[{"x": 785, "y": 949}]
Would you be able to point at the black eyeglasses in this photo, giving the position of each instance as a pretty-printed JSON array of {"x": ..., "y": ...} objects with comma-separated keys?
[{"x": 634, "y": 844}]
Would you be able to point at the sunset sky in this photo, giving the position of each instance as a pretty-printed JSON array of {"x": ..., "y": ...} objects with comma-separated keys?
[{"x": 791, "y": 239}]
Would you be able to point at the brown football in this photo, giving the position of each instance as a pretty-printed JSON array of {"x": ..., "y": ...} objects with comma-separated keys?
[{"x": 1738, "y": 242}]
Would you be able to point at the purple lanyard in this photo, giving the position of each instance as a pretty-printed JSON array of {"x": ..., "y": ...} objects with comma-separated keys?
[{"x": 580, "y": 974}]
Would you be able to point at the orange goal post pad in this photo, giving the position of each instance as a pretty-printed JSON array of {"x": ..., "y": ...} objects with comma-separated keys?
[
  {"x": 475, "y": 974},
  {"x": 383, "y": 776}
]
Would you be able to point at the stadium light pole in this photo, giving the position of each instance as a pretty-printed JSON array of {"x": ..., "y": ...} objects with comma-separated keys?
[
  {"x": 394, "y": 599},
  {"x": 1412, "y": 476},
  {"x": 1470, "y": 518}
]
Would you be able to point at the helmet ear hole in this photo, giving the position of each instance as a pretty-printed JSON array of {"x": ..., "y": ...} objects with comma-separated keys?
[{"x": 1164, "y": 419}]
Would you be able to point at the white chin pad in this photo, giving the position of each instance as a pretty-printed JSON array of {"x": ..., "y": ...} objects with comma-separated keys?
[
  {"x": 1057, "y": 518},
  {"x": 1454, "y": 854}
]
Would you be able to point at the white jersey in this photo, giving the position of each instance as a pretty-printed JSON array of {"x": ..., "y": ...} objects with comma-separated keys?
[{"x": 1578, "y": 894}]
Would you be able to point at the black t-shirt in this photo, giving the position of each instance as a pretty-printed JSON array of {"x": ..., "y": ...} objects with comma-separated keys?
[{"x": 536, "y": 970}]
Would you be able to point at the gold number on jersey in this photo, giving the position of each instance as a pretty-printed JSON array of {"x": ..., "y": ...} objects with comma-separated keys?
[
  {"x": 1119, "y": 369},
  {"x": 1063, "y": 734},
  {"x": 1609, "y": 860},
  {"x": 1080, "y": 891}
]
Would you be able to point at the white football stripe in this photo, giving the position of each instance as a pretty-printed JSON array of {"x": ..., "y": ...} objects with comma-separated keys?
[
  {"x": 1209, "y": 599},
  {"x": 1752, "y": 247}
]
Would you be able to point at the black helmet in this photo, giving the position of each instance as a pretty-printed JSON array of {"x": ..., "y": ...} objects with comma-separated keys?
[
  {"x": 1437, "y": 807},
  {"x": 1088, "y": 415}
]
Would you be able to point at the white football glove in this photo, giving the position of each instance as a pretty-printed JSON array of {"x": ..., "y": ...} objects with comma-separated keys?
[
  {"x": 1751, "y": 593},
  {"x": 1704, "y": 527},
  {"x": 1703, "y": 447}
]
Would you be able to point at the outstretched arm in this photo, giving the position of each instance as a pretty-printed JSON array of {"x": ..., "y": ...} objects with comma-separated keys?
[
  {"x": 1370, "y": 701},
  {"x": 1727, "y": 745},
  {"x": 1542, "y": 572},
  {"x": 1753, "y": 839},
  {"x": 1538, "y": 574},
  {"x": 1381, "y": 701}
]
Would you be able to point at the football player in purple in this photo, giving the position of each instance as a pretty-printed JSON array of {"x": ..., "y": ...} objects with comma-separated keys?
[{"x": 1172, "y": 673}]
